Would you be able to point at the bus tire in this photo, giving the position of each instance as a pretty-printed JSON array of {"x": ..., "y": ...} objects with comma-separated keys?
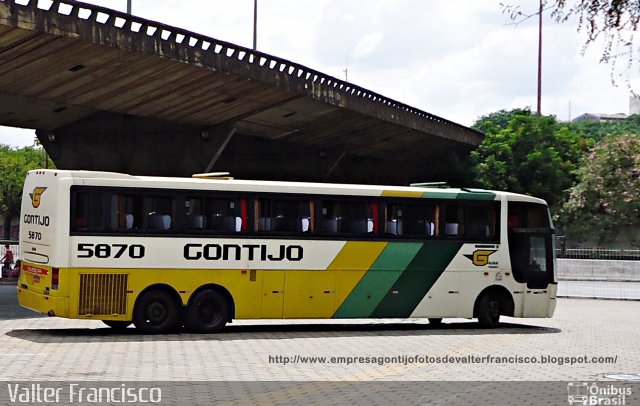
[
  {"x": 488, "y": 310},
  {"x": 155, "y": 313},
  {"x": 117, "y": 324},
  {"x": 435, "y": 321},
  {"x": 207, "y": 312}
]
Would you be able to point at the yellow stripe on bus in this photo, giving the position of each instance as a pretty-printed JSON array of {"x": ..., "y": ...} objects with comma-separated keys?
[{"x": 399, "y": 193}]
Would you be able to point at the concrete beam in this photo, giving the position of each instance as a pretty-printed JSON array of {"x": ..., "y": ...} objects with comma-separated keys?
[{"x": 141, "y": 146}]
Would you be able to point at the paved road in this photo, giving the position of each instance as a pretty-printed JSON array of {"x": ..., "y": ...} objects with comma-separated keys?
[
  {"x": 9, "y": 308},
  {"x": 586, "y": 341},
  {"x": 600, "y": 289}
]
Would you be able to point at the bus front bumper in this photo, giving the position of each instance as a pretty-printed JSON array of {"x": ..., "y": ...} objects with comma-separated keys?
[{"x": 45, "y": 304}]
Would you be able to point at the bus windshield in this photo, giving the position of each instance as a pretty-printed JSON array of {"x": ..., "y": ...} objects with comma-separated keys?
[{"x": 530, "y": 244}]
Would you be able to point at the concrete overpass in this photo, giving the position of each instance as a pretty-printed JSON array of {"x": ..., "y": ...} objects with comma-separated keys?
[{"x": 109, "y": 91}]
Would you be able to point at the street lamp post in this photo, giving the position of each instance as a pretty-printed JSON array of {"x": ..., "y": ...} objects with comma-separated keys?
[
  {"x": 255, "y": 24},
  {"x": 540, "y": 59}
]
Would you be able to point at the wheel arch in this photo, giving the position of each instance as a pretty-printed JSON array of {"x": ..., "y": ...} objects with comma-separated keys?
[
  {"x": 164, "y": 288},
  {"x": 222, "y": 290},
  {"x": 507, "y": 304}
]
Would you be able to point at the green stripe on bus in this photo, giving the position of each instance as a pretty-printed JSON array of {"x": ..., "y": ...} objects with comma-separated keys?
[
  {"x": 414, "y": 283},
  {"x": 480, "y": 195},
  {"x": 440, "y": 195},
  {"x": 477, "y": 196},
  {"x": 375, "y": 284}
]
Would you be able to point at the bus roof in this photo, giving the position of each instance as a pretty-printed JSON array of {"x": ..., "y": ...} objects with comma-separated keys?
[{"x": 96, "y": 178}]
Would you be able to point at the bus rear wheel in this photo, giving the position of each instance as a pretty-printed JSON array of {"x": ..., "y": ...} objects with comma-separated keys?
[
  {"x": 488, "y": 310},
  {"x": 207, "y": 312},
  {"x": 155, "y": 312},
  {"x": 435, "y": 321},
  {"x": 117, "y": 324}
]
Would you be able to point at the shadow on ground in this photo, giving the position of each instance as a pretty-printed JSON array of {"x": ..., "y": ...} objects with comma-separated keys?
[{"x": 278, "y": 332}]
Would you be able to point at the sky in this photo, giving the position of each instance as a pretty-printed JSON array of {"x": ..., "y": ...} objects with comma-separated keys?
[{"x": 458, "y": 59}]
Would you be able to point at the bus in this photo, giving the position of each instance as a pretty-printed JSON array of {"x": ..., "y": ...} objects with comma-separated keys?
[{"x": 169, "y": 253}]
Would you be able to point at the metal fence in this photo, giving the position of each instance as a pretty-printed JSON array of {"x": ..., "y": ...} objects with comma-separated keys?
[{"x": 598, "y": 253}]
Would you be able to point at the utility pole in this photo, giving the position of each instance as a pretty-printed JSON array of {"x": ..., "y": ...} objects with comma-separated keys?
[
  {"x": 129, "y": 6},
  {"x": 539, "y": 59},
  {"x": 255, "y": 24}
]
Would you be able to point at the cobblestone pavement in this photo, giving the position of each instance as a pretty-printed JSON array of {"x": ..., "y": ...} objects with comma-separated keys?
[{"x": 571, "y": 346}]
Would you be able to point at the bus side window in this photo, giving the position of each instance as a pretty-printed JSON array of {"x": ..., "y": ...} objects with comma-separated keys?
[
  {"x": 193, "y": 217},
  {"x": 411, "y": 219},
  {"x": 357, "y": 218},
  {"x": 329, "y": 215},
  {"x": 214, "y": 214},
  {"x": 393, "y": 219},
  {"x": 159, "y": 212},
  {"x": 159, "y": 221},
  {"x": 454, "y": 221},
  {"x": 479, "y": 222},
  {"x": 283, "y": 215},
  {"x": 88, "y": 212}
]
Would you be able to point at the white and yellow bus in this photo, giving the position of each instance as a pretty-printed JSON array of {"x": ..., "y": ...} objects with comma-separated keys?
[{"x": 163, "y": 253}]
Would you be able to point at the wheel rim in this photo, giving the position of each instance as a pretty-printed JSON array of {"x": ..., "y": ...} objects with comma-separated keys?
[
  {"x": 157, "y": 313},
  {"x": 208, "y": 313}
]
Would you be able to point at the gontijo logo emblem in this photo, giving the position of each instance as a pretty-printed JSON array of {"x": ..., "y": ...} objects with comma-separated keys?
[
  {"x": 480, "y": 257},
  {"x": 36, "y": 196}
]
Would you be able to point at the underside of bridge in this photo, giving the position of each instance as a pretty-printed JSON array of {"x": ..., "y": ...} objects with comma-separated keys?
[{"x": 109, "y": 91}]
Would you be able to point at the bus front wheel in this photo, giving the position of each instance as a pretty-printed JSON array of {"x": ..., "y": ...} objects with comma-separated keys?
[
  {"x": 488, "y": 310},
  {"x": 208, "y": 312},
  {"x": 155, "y": 312}
]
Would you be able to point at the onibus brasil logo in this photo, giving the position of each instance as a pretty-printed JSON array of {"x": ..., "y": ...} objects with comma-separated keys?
[
  {"x": 597, "y": 393},
  {"x": 36, "y": 196}
]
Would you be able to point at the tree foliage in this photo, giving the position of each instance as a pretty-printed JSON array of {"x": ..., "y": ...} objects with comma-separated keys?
[
  {"x": 524, "y": 153},
  {"x": 614, "y": 22},
  {"x": 607, "y": 194},
  {"x": 14, "y": 164},
  {"x": 594, "y": 131},
  {"x": 589, "y": 172}
]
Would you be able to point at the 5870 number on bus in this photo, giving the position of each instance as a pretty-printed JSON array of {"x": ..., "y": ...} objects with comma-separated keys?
[{"x": 86, "y": 250}]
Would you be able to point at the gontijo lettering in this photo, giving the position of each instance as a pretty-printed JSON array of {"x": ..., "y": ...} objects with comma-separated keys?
[
  {"x": 236, "y": 252},
  {"x": 36, "y": 219}
]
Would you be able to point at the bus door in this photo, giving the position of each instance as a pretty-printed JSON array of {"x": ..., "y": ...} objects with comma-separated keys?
[
  {"x": 272, "y": 294},
  {"x": 531, "y": 252}
]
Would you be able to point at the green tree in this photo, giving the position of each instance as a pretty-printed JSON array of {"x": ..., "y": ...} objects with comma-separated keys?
[
  {"x": 594, "y": 131},
  {"x": 606, "y": 197},
  {"x": 531, "y": 155},
  {"x": 14, "y": 164},
  {"x": 495, "y": 122}
]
